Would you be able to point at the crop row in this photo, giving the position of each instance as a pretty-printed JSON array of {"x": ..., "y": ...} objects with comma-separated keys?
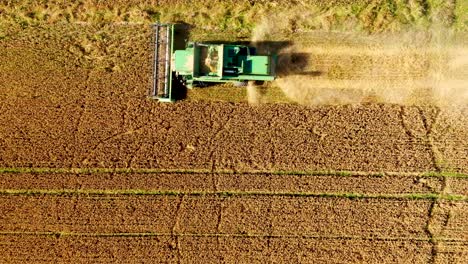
[
  {"x": 212, "y": 250},
  {"x": 178, "y": 182},
  {"x": 195, "y": 135}
]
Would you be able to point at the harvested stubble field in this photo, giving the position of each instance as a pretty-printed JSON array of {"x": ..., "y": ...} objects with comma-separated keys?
[
  {"x": 214, "y": 249},
  {"x": 92, "y": 171},
  {"x": 236, "y": 182}
]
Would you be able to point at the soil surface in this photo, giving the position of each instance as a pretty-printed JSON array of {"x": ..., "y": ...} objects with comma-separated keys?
[
  {"x": 253, "y": 215},
  {"x": 187, "y": 249},
  {"x": 245, "y": 182},
  {"x": 65, "y": 110},
  {"x": 75, "y": 97}
]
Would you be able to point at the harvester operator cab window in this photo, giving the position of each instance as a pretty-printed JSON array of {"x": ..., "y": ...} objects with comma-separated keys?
[
  {"x": 238, "y": 51},
  {"x": 243, "y": 51},
  {"x": 235, "y": 55}
]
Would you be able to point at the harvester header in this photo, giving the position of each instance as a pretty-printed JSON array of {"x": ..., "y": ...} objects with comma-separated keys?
[{"x": 163, "y": 45}]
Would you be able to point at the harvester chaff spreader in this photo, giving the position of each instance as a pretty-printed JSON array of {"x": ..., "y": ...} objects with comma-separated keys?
[{"x": 195, "y": 63}]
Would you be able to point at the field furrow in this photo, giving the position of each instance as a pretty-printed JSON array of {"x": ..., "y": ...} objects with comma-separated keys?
[
  {"x": 233, "y": 182},
  {"x": 196, "y": 135},
  {"x": 68, "y": 109},
  {"x": 451, "y": 252},
  {"x": 458, "y": 185},
  {"x": 214, "y": 214},
  {"x": 452, "y": 220},
  {"x": 357, "y": 152},
  {"x": 187, "y": 249}
]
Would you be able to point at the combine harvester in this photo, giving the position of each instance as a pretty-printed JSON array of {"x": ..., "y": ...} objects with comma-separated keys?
[{"x": 195, "y": 63}]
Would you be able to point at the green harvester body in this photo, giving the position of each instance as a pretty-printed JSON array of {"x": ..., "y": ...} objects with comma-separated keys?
[{"x": 197, "y": 63}]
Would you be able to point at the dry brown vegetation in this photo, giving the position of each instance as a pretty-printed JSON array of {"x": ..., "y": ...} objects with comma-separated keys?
[
  {"x": 95, "y": 115},
  {"x": 272, "y": 182},
  {"x": 240, "y": 17},
  {"x": 232, "y": 182},
  {"x": 214, "y": 250}
]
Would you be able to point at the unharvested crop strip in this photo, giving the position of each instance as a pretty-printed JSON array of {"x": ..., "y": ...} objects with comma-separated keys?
[
  {"x": 410, "y": 196},
  {"x": 227, "y": 235},
  {"x": 208, "y": 171}
]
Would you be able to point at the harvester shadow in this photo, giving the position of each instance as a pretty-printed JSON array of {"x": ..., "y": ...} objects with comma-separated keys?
[
  {"x": 179, "y": 90},
  {"x": 181, "y": 35},
  {"x": 295, "y": 63}
]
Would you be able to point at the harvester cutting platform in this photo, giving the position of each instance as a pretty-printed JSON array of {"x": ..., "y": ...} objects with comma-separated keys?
[{"x": 198, "y": 63}]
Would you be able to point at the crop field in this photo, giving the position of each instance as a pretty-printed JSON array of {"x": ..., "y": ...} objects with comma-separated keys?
[{"x": 356, "y": 153}]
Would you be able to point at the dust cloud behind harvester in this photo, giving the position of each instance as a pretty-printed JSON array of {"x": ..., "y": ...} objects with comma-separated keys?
[{"x": 414, "y": 67}]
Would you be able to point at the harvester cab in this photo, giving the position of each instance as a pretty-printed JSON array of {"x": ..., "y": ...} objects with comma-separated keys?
[{"x": 195, "y": 63}]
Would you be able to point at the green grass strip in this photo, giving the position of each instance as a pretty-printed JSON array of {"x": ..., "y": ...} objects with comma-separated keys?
[
  {"x": 60, "y": 234},
  {"x": 207, "y": 171},
  {"x": 410, "y": 196},
  {"x": 445, "y": 174}
]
